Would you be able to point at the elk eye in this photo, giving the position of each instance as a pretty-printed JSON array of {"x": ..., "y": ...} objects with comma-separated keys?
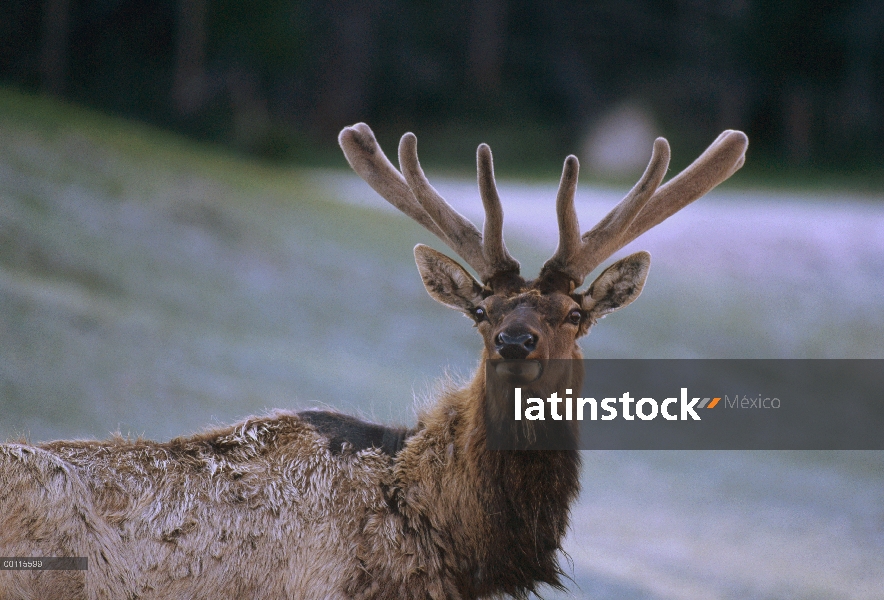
[
  {"x": 479, "y": 314},
  {"x": 575, "y": 316}
]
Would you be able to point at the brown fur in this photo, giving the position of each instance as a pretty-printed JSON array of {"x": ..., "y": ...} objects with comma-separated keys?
[{"x": 267, "y": 509}]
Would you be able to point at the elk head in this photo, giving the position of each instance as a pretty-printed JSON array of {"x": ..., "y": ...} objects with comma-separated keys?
[{"x": 541, "y": 318}]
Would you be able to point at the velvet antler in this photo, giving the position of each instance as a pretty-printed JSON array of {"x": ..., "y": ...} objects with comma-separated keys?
[
  {"x": 643, "y": 207},
  {"x": 410, "y": 192}
]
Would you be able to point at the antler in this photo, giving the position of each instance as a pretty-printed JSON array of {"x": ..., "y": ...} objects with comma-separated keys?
[
  {"x": 410, "y": 192},
  {"x": 643, "y": 207}
]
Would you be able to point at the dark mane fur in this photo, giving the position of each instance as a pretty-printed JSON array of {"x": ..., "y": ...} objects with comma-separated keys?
[{"x": 346, "y": 433}]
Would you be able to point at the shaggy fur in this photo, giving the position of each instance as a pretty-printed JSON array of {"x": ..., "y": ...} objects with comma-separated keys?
[{"x": 273, "y": 508}]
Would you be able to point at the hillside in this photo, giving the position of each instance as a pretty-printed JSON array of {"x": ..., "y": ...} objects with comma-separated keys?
[{"x": 153, "y": 286}]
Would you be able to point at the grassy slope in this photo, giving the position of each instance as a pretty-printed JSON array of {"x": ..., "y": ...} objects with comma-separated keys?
[{"x": 152, "y": 285}]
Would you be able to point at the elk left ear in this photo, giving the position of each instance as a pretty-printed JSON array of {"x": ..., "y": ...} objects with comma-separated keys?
[
  {"x": 446, "y": 281},
  {"x": 617, "y": 286}
]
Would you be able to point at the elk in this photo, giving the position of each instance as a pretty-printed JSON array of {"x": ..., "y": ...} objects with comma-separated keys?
[{"x": 321, "y": 505}]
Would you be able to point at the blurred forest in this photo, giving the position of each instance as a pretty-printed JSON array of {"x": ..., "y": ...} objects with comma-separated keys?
[{"x": 804, "y": 78}]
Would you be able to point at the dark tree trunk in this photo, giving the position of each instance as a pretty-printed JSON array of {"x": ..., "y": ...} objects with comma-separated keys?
[
  {"x": 346, "y": 77},
  {"x": 486, "y": 44},
  {"x": 189, "y": 86},
  {"x": 54, "y": 50}
]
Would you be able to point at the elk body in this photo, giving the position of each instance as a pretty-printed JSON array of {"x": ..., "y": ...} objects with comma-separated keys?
[{"x": 321, "y": 505}]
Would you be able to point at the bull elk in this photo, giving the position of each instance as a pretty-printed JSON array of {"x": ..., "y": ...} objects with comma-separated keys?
[{"x": 322, "y": 505}]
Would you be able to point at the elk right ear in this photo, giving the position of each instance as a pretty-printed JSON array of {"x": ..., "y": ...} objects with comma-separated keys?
[{"x": 446, "y": 281}]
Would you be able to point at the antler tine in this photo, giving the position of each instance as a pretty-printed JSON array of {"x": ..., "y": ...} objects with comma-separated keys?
[
  {"x": 461, "y": 235},
  {"x": 416, "y": 198},
  {"x": 576, "y": 257},
  {"x": 368, "y": 160},
  {"x": 494, "y": 249},
  {"x": 719, "y": 161},
  {"x": 569, "y": 227}
]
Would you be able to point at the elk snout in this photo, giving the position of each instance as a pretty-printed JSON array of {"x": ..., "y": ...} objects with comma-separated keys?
[{"x": 515, "y": 345}]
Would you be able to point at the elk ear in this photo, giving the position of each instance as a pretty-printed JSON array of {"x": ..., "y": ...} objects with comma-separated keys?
[
  {"x": 617, "y": 286},
  {"x": 446, "y": 281}
]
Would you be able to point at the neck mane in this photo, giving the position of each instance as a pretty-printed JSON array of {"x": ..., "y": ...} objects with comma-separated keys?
[{"x": 497, "y": 517}]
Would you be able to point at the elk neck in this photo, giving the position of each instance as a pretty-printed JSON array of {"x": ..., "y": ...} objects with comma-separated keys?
[{"x": 497, "y": 515}]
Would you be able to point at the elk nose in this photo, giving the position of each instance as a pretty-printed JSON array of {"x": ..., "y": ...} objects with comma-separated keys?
[{"x": 515, "y": 346}]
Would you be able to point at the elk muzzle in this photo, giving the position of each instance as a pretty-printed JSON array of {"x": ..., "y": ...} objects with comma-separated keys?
[{"x": 515, "y": 345}]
